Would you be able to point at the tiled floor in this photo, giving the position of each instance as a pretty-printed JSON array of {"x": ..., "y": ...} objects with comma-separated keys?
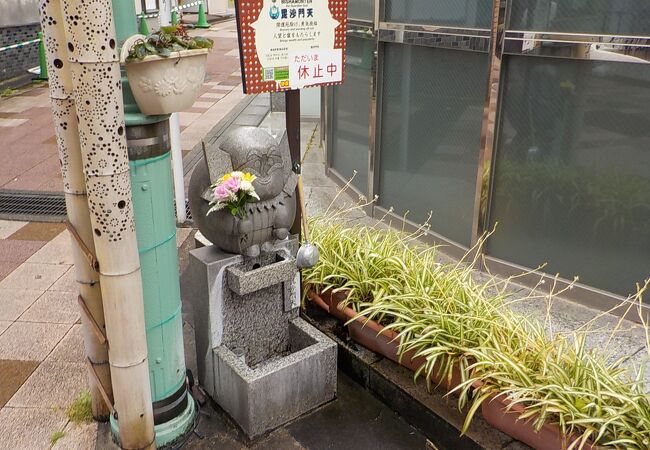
[
  {"x": 37, "y": 313},
  {"x": 28, "y": 155},
  {"x": 42, "y": 366}
]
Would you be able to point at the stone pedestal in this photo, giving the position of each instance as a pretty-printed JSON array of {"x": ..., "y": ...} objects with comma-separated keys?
[{"x": 257, "y": 359}]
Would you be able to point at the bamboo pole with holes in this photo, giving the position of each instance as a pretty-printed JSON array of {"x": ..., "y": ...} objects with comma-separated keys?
[
  {"x": 93, "y": 57},
  {"x": 74, "y": 188}
]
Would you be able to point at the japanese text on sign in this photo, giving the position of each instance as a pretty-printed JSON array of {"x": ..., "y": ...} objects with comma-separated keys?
[{"x": 310, "y": 68}]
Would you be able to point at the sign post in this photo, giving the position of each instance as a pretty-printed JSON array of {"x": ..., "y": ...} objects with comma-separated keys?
[{"x": 286, "y": 45}]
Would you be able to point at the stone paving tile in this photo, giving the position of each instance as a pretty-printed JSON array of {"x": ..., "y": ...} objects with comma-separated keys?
[
  {"x": 14, "y": 302},
  {"x": 202, "y": 105},
  {"x": 38, "y": 231},
  {"x": 23, "y": 183},
  {"x": 224, "y": 34},
  {"x": 52, "y": 385},
  {"x": 77, "y": 436},
  {"x": 18, "y": 250},
  {"x": 355, "y": 413},
  {"x": 54, "y": 184},
  {"x": 18, "y": 104},
  {"x": 53, "y": 307},
  {"x": 9, "y": 227},
  {"x": 251, "y": 120},
  {"x": 29, "y": 341},
  {"x": 29, "y": 428},
  {"x": 70, "y": 349},
  {"x": 57, "y": 251},
  {"x": 186, "y": 118},
  {"x": 609, "y": 333},
  {"x": 34, "y": 176},
  {"x": 67, "y": 283},
  {"x": 6, "y": 267},
  {"x": 34, "y": 276},
  {"x": 278, "y": 440},
  {"x": 14, "y": 374},
  {"x": 314, "y": 175},
  {"x": 181, "y": 235},
  {"x": 4, "y": 324},
  {"x": 11, "y": 122},
  {"x": 213, "y": 95}
]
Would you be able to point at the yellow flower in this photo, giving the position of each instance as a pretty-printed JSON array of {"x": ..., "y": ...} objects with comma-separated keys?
[{"x": 248, "y": 177}]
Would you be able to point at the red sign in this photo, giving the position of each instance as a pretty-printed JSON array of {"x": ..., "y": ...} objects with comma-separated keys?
[{"x": 291, "y": 44}]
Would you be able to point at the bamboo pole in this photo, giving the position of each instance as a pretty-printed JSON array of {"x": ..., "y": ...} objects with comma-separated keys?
[
  {"x": 93, "y": 54},
  {"x": 65, "y": 124}
]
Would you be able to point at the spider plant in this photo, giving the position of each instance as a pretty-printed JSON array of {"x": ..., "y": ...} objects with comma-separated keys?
[
  {"x": 453, "y": 322},
  {"x": 558, "y": 380}
]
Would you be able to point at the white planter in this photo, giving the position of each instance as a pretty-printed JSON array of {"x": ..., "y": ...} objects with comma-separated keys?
[{"x": 167, "y": 85}]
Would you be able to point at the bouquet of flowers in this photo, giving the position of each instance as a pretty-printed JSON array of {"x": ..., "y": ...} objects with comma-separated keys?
[{"x": 233, "y": 191}]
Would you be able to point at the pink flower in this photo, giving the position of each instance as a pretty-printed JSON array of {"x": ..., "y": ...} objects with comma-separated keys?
[
  {"x": 221, "y": 192},
  {"x": 232, "y": 184}
]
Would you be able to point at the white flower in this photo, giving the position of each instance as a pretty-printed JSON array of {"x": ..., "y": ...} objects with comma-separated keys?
[{"x": 246, "y": 186}]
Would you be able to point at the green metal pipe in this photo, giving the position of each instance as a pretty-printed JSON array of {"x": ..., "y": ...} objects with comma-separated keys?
[
  {"x": 42, "y": 74},
  {"x": 156, "y": 230},
  {"x": 155, "y": 220}
]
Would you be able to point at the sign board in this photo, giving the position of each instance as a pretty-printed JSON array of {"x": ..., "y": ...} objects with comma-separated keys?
[{"x": 291, "y": 44}]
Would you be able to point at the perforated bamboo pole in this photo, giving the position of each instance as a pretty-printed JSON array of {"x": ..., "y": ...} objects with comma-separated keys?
[
  {"x": 93, "y": 54},
  {"x": 74, "y": 188}
]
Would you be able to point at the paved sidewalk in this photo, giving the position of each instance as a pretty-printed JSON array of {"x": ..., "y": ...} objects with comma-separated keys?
[
  {"x": 28, "y": 153},
  {"x": 41, "y": 347}
]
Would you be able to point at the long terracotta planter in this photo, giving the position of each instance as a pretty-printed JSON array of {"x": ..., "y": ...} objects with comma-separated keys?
[
  {"x": 496, "y": 413},
  {"x": 495, "y": 410},
  {"x": 377, "y": 338}
]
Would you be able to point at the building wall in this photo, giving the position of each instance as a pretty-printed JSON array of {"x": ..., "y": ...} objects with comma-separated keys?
[
  {"x": 557, "y": 163},
  {"x": 15, "y": 62},
  {"x": 18, "y": 12}
]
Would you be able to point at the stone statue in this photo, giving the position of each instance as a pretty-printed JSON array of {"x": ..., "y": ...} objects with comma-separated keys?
[{"x": 254, "y": 150}]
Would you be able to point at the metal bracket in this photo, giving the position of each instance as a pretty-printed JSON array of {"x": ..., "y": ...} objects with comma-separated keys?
[
  {"x": 90, "y": 257},
  {"x": 100, "y": 386},
  {"x": 91, "y": 320}
]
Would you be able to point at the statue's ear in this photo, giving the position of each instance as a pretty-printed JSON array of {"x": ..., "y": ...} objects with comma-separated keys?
[
  {"x": 218, "y": 162},
  {"x": 283, "y": 148}
]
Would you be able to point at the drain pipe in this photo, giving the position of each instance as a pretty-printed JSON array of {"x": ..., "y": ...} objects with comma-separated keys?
[
  {"x": 83, "y": 247},
  {"x": 175, "y": 136},
  {"x": 149, "y": 144},
  {"x": 93, "y": 54}
]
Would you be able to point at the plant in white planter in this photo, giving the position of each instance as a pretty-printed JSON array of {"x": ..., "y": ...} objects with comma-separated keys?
[{"x": 165, "y": 69}]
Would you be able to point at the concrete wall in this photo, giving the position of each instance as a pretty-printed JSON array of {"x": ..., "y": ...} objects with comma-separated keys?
[{"x": 18, "y": 12}]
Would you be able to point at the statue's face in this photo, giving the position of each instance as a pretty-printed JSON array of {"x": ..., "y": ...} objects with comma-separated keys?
[{"x": 266, "y": 164}]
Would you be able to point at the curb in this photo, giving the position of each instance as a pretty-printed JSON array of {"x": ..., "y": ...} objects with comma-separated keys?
[{"x": 435, "y": 415}]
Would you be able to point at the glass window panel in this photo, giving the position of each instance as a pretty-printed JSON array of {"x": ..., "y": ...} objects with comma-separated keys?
[
  {"x": 361, "y": 9},
  {"x": 622, "y": 17},
  {"x": 150, "y": 5},
  {"x": 572, "y": 186},
  {"x": 458, "y": 13},
  {"x": 351, "y": 114},
  {"x": 432, "y": 110}
]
